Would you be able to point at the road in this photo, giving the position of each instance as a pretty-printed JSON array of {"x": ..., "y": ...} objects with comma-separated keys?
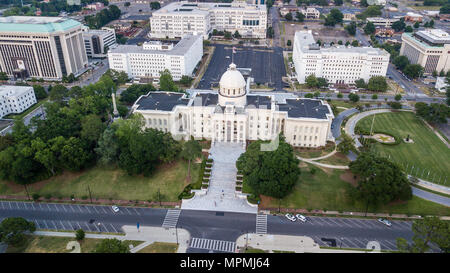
[
  {"x": 209, "y": 225},
  {"x": 275, "y": 25}
]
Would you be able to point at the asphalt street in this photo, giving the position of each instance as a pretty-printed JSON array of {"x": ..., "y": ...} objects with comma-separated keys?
[
  {"x": 267, "y": 65},
  {"x": 210, "y": 231}
]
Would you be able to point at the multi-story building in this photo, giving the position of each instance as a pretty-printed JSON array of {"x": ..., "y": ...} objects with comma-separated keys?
[
  {"x": 376, "y": 2},
  {"x": 97, "y": 42},
  {"x": 41, "y": 47},
  {"x": 180, "y": 18},
  {"x": 311, "y": 13},
  {"x": 429, "y": 48},
  {"x": 382, "y": 22},
  {"x": 151, "y": 58},
  {"x": 15, "y": 99},
  {"x": 234, "y": 114},
  {"x": 338, "y": 64}
]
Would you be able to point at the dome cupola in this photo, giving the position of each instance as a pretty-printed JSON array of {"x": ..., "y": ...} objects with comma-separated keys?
[{"x": 232, "y": 87}]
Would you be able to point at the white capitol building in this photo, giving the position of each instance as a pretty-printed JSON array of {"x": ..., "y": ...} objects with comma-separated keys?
[{"x": 234, "y": 114}]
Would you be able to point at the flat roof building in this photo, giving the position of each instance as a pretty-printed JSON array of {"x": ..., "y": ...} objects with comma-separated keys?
[
  {"x": 429, "y": 48},
  {"x": 180, "y": 18},
  {"x": 153, "y": 57},
  {"x": 41, "y": 47},
  {"x": 98, "y": 41},
  {"x": 338, "y": 64}
]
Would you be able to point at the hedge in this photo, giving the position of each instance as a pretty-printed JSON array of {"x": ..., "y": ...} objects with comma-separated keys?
[{"x": 360, "y": 131}]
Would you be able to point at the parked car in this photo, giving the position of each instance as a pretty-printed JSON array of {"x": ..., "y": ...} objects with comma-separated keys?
[
  {"x": 385, "y": 221},
  {"x": 301, "y": 217},
  {"x": 115, "y": 208},
  {"x": 290, "y": 217}
]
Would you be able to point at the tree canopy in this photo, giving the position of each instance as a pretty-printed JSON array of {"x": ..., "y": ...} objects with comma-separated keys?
[
  {"x": 377, "y": 83},
  {"x": 12, "y": 230},
  {"x": 166, "y": 82},
  {"x": 112, "y": 246},
  {"x": 434, "y": 113},
  {"x": 272, "y": 173},
  {"x": 380, "y": 180}
]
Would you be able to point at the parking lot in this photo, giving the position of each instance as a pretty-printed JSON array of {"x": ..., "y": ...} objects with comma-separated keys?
[
  {"x": 350, "y": 236},
  {"x": 92, "y": 213},
  {"x": 267, "y": 65}
]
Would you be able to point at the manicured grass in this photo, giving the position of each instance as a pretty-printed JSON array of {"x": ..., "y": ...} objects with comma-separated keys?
[
  {"x": 343, "y": 103},
  {"x": 326, "y": 190},
  {"x": 114, "y": 183},
  {"x": 427, "y": 154},
  {"x": 254, "y": 250},
  {"x": 158, "y": 247},
  {"x": 48, "y": 244}
]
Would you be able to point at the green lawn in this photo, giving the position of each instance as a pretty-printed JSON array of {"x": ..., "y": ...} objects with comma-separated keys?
[
  {"x": 428, "y": 153},
  {"x": 336, "y": 159},
  {"x": 326, "y": 190},
  {"x": 114, "y": 183},
  {"x": 158, "y": 247},
  {"x": 314, "y": 152},
  {"x": 48, "y": 244}
]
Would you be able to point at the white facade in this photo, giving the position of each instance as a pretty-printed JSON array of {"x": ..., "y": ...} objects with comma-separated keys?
[
  {"x": 429, "y": 48},
  {"x": 376, "y": 2},
  {"x": 311, "y": 13},
  {"x": 15, "y": 99},
  {"x": 382, "y": 22},
  {"x": 337, "y": 64},
  {"x": 234, "y": 114},
  {"x": 151, "y": 58},
  {"x": 180, "y": 18},
  {"x": 41, "y": 47},
  {"x": 96, "y": 41}
]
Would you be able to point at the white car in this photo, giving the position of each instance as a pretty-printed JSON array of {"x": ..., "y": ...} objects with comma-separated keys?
[
  {"x": 290, "y": 217},
  {"x": 115, "y": 208},
  {"x": 301, "y": 217},
  {"x": 384, "y": 221}
]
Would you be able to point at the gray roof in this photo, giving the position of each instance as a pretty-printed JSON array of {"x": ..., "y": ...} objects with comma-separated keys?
[
  {"x": 260, "y": 101},
  {"x": 305, "y": 108},
  {"x": 207, "y": 99},
  {"x": 163, "y": 101},
  {"x": 179, "y": 49}
]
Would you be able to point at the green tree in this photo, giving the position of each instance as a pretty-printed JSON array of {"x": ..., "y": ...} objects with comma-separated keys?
[
  {"x": 338, "y": 2},
  {"x": 12, "y": 230},
  {"x": 434, "y": 113},
  {"x": 408, "y": 29},
  {"x": 269, "y": 170},
  {"x": 347, "y": 144},
  {"x": 300, "y": 16},
  {"x": 322, "y": 82},
  {"x": 289, "y": 43},
  {"x": 353, "y": 97},
  {"x": 127, "y": 4},
  {"x": 427, "y": 231},
  {"x": 360, "y": 83},
  {"x": 191, "y": 150},
  {"x": 351, "y": 29},
  {"x": 236, "y": 35},
  {"x": 112, "y": 246},
  {"x": 108, "y": 147},
  {"x": 369, "y": 28},
  {"x": 166, "y": 82},
  {"x": 374, "y": 96},
  {"x": 416, "y": 24},
  {"x": 445, "y": 9},
  {"x": 3, "y": 76},
  {"x": 380, "y": 180},
  {"x": 311, "y": 81},
  {"x": 186, "y": 80},
  {"x": 58, "y": 93},
  {"x": 355, "y": 43},
  {"x": 288, "y": 16},
  {"x": 334, "y": 17},
  {"x": 80, "y": 234},
  {"x": 91, "y": 128},
  {"x": 39, "y": 92},
  {"x": 377, "y": 83},
  {"x": 413, "y": 71},
  {"x": 401, "y": 62},
  {"x": 155, "y": 5},
  {"x": 399, "y": 25},
  {"x": 398, "y": 97}
]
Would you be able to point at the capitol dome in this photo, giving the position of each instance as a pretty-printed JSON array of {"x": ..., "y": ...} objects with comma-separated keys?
[
  {"x": 232, "y": 87},
  {"x": 232, "y": 78}
]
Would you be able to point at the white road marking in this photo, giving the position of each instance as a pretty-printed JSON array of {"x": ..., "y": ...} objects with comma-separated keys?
[
  {"x": 136, "y": 211},
  {"x": 70, "y": 225},
  {"x": 45, "y": 224},
  {"x": 62, "y": 225},
  {"x": 114, "y": 228},
  {"x": 64, "y": 208},
  {"x": 345, "y": 222}
]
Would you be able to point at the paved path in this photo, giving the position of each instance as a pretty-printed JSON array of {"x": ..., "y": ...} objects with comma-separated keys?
[
  {"x": 221, "y": 194},
  {"x": 323, "y": 164},
  {"x": 146, "y": 234},
  {"x": 445, "y": 201}
]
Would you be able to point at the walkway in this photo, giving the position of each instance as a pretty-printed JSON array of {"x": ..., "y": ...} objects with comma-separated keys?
[
  {"x": 221, "y": 194},
  {"x": 148, "y": 235}
]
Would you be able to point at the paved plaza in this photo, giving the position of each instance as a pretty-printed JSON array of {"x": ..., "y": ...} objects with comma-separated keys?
[{"x": 221, "y": 195}]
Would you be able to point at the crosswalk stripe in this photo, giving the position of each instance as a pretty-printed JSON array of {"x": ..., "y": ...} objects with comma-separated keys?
[
  {"x": 261, "y": 224},
  {"x": 171, "y": 218},
  {"x": 218, "y": 245}
]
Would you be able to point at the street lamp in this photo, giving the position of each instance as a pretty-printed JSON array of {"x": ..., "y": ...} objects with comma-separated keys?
[{"x": 341, "y": 242}]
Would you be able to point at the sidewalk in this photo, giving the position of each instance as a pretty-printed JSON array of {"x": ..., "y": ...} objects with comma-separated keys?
[
  {"x": 147, "y": 234},
  {"x": 345, "y": 213},
  {"x": 297, "y": 244}
]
